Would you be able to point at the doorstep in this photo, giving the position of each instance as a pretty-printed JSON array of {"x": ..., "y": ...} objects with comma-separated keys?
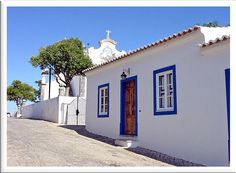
[{"x": 127, "y": 141}]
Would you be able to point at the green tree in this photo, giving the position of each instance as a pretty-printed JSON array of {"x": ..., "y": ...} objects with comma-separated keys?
[
  {"x": 38, "y": 91},
  {"x": 66, "y": 58},
  {"x": 209, "y": 24},
  {"x": 20, "y": 92}
]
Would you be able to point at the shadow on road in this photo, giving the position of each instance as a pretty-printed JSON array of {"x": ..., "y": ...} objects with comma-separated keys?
[{"x": 80, "y": 129}]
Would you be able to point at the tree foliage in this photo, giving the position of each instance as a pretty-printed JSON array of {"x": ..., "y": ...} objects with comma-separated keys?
[
  {"x": 209, "y": 24},
  {"x": 20, "y": 92},
  {"x": 38, "y": 91},
  {"x": 66, "y": 58}
]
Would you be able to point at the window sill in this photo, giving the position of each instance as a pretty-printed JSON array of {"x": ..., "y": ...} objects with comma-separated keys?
[
  {"x": 172, "y": 112},
  {"x": 103, "y": 116}
]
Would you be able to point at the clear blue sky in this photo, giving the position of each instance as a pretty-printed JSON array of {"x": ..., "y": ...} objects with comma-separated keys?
[{"x": 30, "y": 28}]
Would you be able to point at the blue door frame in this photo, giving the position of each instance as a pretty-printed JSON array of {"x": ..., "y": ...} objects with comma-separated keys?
[
  {"x": 227, "y": 84},
  {"x": 122, "y": 104}
]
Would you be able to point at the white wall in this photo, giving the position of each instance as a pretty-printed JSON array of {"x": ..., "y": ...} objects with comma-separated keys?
[
  {"x": 46, "y": 110},
  {"x": 198, "y": 132},
  {"x": 54, "y": 90},
  {"x": 54, "y": 110},
  {"x": 68, "y": 110},
  {"x": 211, "y": 33},
  {"x": 75, "y": 85}
]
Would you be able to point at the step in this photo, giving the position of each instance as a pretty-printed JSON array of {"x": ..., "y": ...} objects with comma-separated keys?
[
  {"x": 128, "y": 137},
  {"x": 127, "y": 142}
]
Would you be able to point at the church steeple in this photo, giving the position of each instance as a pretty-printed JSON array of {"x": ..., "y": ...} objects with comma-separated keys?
[
  {"x": 108, "y": 33},
  {"x": 107, "y": 39},
  {"x": 106, "y": 51}
]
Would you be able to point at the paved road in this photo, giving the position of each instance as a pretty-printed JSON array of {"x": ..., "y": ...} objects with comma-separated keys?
[{"x": 41, "y": 143}]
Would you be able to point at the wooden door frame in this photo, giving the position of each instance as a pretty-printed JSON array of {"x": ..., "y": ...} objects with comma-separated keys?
[{"x": 122, "y": 104}]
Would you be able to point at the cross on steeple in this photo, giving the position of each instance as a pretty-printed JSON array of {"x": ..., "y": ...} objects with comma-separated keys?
[{"x": 108, "y": 33}]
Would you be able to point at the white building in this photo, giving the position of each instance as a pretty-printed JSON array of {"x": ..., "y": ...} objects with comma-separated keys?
[{"x": 173, "y": 98}]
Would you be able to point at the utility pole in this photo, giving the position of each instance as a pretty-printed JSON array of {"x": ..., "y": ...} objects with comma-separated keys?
[
  {"x": 49, "y": 91},
  {"x": 77, "y": 110},
  {"x": 78, "y": 95}
]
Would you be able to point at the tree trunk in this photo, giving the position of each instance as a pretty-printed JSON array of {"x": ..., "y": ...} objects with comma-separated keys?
[
  {"x": 67, "y": 91},
  {"x": 19, "y": 109}
]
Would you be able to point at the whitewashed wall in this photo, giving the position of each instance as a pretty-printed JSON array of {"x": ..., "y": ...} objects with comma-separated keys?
[
  {"x": 54, "y": 110},
  {"x": 54, "y": 90},
  {"x": 198, "y": 132},
  {"x": 46, "y": 110},
  {"x": 68, "y": 111}
]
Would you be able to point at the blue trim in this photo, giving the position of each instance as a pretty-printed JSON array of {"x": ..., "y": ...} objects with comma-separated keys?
[
  {"x": 174, "y": 91},
  {"x": 122, "y": 104},
  {"x": 106, "y": 115},
  {"x": 227, "y": 83}
]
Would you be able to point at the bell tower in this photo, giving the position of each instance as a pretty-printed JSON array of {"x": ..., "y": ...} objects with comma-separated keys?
[{"x": 43, "y": 85}]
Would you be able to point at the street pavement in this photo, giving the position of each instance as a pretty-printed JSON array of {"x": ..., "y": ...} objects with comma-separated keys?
[{"x": 42, "y": 143}]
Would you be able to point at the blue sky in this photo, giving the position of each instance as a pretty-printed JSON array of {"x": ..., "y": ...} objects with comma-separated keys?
[{"x": 30, "y": 28}]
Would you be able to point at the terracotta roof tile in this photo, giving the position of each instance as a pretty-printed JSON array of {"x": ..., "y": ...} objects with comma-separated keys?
[
  {"x": 157, "y": 43},
  {"x": 217, "y": 40}
]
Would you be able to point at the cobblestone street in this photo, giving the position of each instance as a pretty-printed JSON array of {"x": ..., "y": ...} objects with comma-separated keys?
[{"x": 42, "y": 143}]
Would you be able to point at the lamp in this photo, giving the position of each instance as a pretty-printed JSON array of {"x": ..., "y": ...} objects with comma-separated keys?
[{"x": 123, "y": 76}]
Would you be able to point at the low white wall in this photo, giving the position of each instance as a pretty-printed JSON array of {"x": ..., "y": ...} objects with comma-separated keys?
[
  {"x": 55, "y": 109},
  {"x": 69, "y": 112},
  {"x": 46, "y": 110}
]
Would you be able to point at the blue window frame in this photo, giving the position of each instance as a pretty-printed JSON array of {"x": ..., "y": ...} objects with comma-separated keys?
[
  {"x": 164, "y": 90},
  {"x": 227, "y": 83},
  {"x": 103, "y": 100}
]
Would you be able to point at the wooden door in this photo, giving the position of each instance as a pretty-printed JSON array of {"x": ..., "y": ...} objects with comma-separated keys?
[{"x": 129, "y": 112}]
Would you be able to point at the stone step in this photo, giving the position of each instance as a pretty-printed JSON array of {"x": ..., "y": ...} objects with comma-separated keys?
[
  {"x": 127, "y": 143},
  {"x": 128, "y": 137}
]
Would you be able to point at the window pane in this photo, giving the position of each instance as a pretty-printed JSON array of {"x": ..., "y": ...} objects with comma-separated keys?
[
  {"x": 102, "y": 92},
  {"x": 169, "y": 102},
  {"x": 161, "y": 91},
  {"x": 102, "y": 108},
  {"x": 169, "y": 90},
  {"x": 106, "y": 100},
  {"x": 161, "y": 103},
  {"x": 169, "y": 78},
  {"x": 161, "y": 80},
  {"x": 106, "y": 92},
  {"x": 169, "y": 87},
  {"x": 106, "y": 108}
]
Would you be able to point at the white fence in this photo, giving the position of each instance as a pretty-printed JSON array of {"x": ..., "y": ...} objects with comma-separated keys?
[{"x": 58, "y": 110}]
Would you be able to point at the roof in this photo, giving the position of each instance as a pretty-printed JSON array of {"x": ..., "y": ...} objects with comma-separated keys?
[
  {"x": 217, "y": 40},
  {"x": 157, "y": 43}
]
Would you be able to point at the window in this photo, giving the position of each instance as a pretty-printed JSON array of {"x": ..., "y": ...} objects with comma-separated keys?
[
  {"x": 164, "y": 83},
  {"x": 103, "y": 100}
]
